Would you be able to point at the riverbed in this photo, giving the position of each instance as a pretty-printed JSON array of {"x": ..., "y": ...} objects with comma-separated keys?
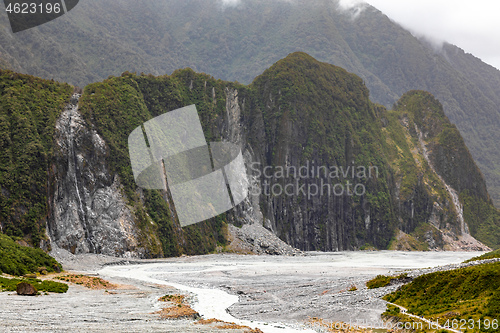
[{"x": 279, "y": 293}]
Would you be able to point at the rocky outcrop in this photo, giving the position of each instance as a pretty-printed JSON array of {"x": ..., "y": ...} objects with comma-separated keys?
[
  {"x": 254, "y": 238},
  {"x": 88, "y": 213}
]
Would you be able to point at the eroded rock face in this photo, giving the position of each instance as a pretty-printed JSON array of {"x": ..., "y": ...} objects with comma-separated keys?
[
  {"x": 334, "y": 223},
  {"x": 88, "y": 210}
]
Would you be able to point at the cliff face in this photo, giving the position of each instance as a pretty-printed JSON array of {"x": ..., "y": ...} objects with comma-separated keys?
[
  {"x": 329, "y": 170},
  {"x": 433, "y": 173},
  {"x": 88, "y": 211},
  {"x": 239, "y": 42},
  {"x": 318, "y": 120},
  {"x": 315, "y": 116},
  {"x": 29, "y": 108},
  {"x": 310, "y": 138}
]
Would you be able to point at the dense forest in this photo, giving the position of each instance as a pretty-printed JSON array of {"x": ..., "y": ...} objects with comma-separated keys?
[{"x": 102, "y": 38}]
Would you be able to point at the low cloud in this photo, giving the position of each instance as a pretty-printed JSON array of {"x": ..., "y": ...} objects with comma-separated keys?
[
  {"x": 229, "y": 3},
  {"x": 352, "y": 7},
  {"x": 350, "y": 4},
  {"x": 471, "y": 25}
]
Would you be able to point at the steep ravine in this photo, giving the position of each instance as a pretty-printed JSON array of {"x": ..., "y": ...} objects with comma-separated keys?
[{"x": 463, "y": 240}]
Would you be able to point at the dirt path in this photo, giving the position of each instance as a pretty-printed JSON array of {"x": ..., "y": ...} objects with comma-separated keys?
[{"x": 429, "y": 322}]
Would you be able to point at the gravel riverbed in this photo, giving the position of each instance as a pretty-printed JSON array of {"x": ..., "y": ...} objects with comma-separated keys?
[{"x": 280, "y": 291}]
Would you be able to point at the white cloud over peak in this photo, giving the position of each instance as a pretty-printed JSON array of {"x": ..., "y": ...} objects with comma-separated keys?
[{"x": 471, "y": 25}]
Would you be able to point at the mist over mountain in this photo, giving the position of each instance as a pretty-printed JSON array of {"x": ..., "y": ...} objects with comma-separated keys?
[{"x": 237, "y": 41}]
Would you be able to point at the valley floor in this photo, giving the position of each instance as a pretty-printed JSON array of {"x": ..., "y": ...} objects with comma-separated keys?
[{"x": 273, "y": 293}]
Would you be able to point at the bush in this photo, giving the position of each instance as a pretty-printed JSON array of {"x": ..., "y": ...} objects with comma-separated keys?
[
  {"x": 379, "y": 281},
  {"x": 493, "y": 305},
  {"x": 392, "y": 310},
  {"x": 19, "y": 260}
]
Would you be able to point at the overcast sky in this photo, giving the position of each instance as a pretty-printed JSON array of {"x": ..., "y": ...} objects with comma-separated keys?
[{"x": 473, "y": 26}]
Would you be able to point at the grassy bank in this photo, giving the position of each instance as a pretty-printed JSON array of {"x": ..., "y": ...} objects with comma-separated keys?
[
  {"x": 469, "y": 296},
  {"x": 20, "y": 260},
  {"x": 45, "y": 286}
]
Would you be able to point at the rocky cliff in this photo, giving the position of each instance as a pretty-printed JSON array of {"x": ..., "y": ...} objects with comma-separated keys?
[
  {"x": 317, "y": 115},
  {"x": 305, "y": 116},
  {"x": 87, "y": 210},
  {"x": 239, "y": 41},
  {"x": 329, "y": 170}
]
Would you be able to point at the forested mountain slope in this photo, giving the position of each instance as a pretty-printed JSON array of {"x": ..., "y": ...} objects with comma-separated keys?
[
  {"x": 416, "y": 184},
  {"x": 103, "y": 37}
]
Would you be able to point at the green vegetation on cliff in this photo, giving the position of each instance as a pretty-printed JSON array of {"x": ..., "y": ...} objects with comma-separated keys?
[
  {"x": 471, "y": 293},
  {"x": 29, "y": 108},
  {"x": 19, "y": 260},
  {"x": 298, "y": 112},
  {"x": 120, "y": 104},
  {"x": 317, "y": 112},
  {"x": 320, "y": 114},
  {"x": 428, "y": 126},
  {"x": 239, "y": 42}
]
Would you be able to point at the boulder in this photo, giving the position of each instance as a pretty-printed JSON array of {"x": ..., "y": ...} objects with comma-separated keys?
[
  {"x": 42, "y": 270},
  {"x": 26, "y": 289},
  {"x": 56, "y": 268}
]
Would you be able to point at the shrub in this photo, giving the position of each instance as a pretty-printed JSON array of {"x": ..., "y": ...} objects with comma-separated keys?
[
  {"x": 19, "y": 260},
  {"x": 379, "y": 281},
  {"x": 47, "y": 286}
]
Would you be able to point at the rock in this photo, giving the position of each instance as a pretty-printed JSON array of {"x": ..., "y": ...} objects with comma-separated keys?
[
  {"x": 256, "y": 239},
  {"x": 88, "y": 211},
  {"x": 56, "y": 268},
  {"x": 26, "y": 289},
  {"x": 42, "y": 270}
]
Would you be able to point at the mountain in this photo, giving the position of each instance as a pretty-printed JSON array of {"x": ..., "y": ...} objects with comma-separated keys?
[
  {"x": 102, "y": 38},
  {"x": 329, "y": 169}
]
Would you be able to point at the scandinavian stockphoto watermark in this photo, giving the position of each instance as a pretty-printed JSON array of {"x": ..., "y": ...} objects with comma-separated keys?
[
  {"x": 26, "y": 14},
  {"x": 170, "y": 151},
  {"x": 310, "y": 180}
]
